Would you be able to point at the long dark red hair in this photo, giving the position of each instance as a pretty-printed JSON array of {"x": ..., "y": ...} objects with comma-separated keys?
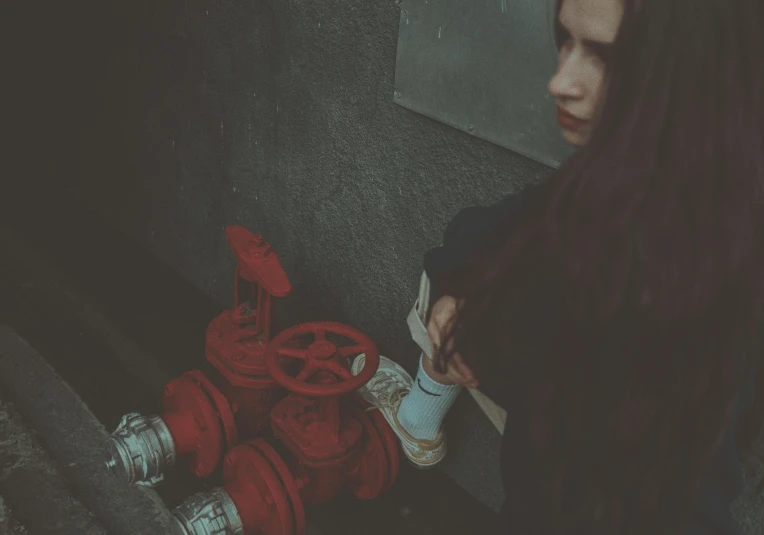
[{"x": 626, "y": 296}]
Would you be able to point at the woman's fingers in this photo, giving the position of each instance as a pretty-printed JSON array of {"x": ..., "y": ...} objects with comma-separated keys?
[
  {"x": 441, "y": 317},
  {"x": 443, "y": 312},
  {"x": 461, "y": 373},
  {"x": 456, "y": 370},
  {"x": 462, "y": 369}
]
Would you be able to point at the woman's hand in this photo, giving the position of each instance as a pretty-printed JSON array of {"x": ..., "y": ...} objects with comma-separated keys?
[{"x": 457, "y": 372}]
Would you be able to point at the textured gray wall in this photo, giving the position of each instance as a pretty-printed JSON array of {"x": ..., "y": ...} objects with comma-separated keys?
[{"x": 279, "y": 116}]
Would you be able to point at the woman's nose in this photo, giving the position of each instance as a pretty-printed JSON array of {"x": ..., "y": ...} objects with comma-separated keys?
[{"x": 565, "y": 84}]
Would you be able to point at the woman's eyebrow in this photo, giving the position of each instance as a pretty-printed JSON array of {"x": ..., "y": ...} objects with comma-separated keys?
[{"x": 594, "y": 44}]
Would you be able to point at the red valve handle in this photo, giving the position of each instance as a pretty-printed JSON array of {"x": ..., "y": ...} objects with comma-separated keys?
[
  {"x": 257, "y": 262},
  {"x": 321, "y": 355}
]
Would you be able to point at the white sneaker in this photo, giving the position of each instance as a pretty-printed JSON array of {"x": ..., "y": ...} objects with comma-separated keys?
[{"x": 385, "y": 391}]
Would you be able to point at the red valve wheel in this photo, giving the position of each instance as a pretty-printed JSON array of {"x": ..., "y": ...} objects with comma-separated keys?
[{"x": 321, "y": 355}]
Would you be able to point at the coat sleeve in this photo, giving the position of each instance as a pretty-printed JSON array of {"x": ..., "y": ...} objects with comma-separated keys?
[{"x": 468, "y": 229}]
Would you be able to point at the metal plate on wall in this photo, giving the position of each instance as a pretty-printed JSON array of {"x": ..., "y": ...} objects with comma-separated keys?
[{"x": 483, "y": 66}]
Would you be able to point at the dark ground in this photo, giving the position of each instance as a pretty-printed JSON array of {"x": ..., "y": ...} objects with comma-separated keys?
[{"x": 166, "y": 318}]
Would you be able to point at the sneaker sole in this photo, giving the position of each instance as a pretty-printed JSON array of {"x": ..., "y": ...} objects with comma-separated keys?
[{"x": 423, "y": 465}]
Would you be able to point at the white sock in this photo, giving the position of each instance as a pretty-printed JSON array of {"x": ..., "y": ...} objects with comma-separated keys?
[{"x": 423, "y": 409}]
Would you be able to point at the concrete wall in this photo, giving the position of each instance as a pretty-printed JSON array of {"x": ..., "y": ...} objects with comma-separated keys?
[{"x": 278, "y": 116}]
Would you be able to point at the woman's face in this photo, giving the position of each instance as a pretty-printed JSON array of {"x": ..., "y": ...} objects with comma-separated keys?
[{"x": 588, "y": 29}]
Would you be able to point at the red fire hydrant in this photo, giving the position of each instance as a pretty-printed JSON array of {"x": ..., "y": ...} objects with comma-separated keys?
[
  {"x": 203, "y": 417},
  {"x": 329, "y": 443}
]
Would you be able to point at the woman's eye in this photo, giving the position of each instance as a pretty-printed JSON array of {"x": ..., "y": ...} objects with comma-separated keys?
[{"x": 603, "y": 52}]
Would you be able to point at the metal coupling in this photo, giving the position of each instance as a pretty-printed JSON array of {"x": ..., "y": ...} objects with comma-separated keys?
[
  {"x": 140, "y": 450},
  {"x": 211, "y": 513}
]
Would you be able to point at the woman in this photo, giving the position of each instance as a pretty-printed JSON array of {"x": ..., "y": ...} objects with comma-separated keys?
[{"x": 614, "y": 310}]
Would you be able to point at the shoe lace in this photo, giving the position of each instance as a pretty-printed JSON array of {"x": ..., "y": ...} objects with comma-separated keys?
[{"x": 386, "y": 397}]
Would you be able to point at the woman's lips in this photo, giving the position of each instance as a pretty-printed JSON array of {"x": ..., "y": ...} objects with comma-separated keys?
[{"x": 568, "y": 120}]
